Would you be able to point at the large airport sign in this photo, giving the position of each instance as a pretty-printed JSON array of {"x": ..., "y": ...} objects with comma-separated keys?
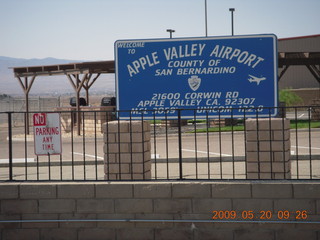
[{"x": 217, "y": 76}]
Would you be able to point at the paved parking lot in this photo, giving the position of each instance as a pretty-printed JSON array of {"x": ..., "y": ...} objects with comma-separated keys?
[{"x": 82, "y": 158}]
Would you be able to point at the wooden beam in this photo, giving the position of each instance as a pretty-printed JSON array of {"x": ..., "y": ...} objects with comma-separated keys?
[
  {"x": 71, "y": 81},
  {"x": 314, "y": 71},
  {"x": 51, "y": 73},
  {"x": 86, "y": 82},
  {"x": 31, "y": 83},
  {"x": 77, "y": 85},
  {"x": 93, "y": 80},
  {"x": 21, "y": 83},
  {"x": 26, "y": 86},
  {"x": 84, "y": 78},
  {"x": 283, "y": 72},
  {"x": 86, "y": 87}
]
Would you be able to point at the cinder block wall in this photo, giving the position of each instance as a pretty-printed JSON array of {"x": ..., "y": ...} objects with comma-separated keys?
[
  {"x": 59, "y": 204},
  {"x": 94, "y": 120},
  {"x": 268, "y": 148},
  {"x": 127, "y": 150}
]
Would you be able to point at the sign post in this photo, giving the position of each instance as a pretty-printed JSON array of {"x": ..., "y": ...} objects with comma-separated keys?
[
  {"x": 47, "y": 133},
  {"x": 217, "y": 76}
]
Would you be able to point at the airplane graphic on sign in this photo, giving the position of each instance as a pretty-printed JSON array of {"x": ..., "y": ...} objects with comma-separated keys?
[{"x": 256, "y": 79}]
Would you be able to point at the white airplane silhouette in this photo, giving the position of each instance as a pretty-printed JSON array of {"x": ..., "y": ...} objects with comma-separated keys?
[{"x": 255, "y": 79}]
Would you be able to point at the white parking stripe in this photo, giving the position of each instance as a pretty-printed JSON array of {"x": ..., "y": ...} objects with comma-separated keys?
[
  {"x": 18, "y": 160},
  {"x": 306, "y": 147},
  {"x": 212, "y": 153},
  {"x": 88, "y": 155}
]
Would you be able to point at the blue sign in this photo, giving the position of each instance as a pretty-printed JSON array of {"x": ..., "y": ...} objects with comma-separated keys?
[{"x": 217, "y": 76}]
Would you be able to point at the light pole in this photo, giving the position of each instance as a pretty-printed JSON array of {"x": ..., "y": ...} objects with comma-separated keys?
[
  {"x": 170, "y": 31},
  {"x": 206, "y": 17},
  {"x": 232, "y": 10}
]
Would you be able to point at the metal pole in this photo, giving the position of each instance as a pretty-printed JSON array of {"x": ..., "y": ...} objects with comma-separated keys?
[
  {"x": 232, "y": 10},
  {"x": 39, "y": 105},
  {"x": 27, "y": 104},
  {"x": 180, "y": 144},
  {"x": 160, "y": 221},
  {"x": 27, "y": 114},
  {"x": 170, "y": 31},
  {"x": 232, "y": 23},
  {"x": 78, "y": 113},
  {"x": 206, "y": 17},
  {"x": 10, "y": 145}
]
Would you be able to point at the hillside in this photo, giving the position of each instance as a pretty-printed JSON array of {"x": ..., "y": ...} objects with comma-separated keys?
[{"x": 53, "y": 85}]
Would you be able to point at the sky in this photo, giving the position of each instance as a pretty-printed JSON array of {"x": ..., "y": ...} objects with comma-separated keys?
[{"x": 87, "y": 29}]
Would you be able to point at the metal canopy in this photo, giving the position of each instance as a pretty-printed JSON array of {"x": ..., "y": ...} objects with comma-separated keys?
[{"x": 89, "y": 71}]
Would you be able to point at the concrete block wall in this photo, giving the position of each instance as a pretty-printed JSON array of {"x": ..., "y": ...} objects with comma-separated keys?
[
  {"x": 268, "y": 148},
  {"x": 95, "y": 120},
  {"x": 99, "y": 210},
  {"x": 127, "y": 150}
]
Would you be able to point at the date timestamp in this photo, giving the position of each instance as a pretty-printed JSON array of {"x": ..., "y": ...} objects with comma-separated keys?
[{"x": 261, "y": 215}]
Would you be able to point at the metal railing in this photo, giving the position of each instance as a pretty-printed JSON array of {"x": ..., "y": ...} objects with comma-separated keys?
[{"x": 203, "y": 148}]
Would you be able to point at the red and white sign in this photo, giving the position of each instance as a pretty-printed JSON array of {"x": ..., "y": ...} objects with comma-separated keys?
[{"x": 47, "y": 133}]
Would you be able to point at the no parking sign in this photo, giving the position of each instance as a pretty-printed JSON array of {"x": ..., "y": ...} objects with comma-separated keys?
[{"x": 47, "y": 133}]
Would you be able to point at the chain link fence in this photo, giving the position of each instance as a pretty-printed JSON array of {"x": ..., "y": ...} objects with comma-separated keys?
[{"x": 18, "y": 104}]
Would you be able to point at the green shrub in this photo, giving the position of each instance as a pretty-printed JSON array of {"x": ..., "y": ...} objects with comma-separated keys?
[{"x": 289, "y": 97}]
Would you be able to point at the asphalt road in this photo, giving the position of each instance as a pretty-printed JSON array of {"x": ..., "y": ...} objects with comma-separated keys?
[
  {"x": 223, "y": 144},
  {"x": 84, "y": 153}
]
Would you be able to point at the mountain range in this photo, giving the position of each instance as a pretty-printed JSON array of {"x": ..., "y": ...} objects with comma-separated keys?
[{"x": 48, "y": 85}]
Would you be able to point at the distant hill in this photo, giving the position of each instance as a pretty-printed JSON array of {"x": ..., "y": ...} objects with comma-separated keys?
[{"x": 51, "y": 85}]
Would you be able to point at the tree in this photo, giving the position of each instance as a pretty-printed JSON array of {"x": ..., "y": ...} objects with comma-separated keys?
[{"x": 289, "y": 97}]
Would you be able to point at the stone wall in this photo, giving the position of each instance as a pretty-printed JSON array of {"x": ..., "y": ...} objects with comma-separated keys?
[
  {"x": 307, "y": 94},
  {"x": 127, "y": 150},
  {"x": 103, "y": 210},
  {"x": 268, "y": 148},
  {"x": 95, "y": 117}
]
